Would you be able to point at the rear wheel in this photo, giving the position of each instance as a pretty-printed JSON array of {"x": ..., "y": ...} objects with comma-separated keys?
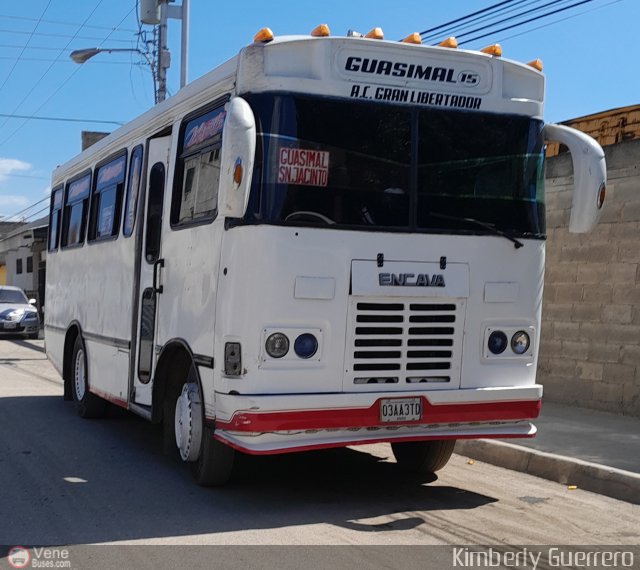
[
  {"x": 423, "y": 457},
  {"x": 211, "y": 461},
  {"x": 88, "y": 405}
]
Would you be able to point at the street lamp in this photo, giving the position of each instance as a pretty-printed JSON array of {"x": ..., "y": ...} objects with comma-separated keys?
[{"x": 81, "y": 56}]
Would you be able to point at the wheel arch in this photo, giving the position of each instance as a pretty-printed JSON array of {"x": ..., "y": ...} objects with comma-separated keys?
[
  {"x": 174, "y": 362},
  {"x": 74, "y": 330}
]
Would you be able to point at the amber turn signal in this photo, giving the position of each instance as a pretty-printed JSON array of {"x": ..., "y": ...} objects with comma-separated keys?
[{"x": 237, "y": 172}]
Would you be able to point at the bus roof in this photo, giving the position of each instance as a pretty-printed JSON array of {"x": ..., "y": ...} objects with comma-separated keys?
[{"x": 345, "y": 67}]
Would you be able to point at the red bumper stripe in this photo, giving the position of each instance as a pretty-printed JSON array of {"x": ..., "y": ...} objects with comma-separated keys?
[
  {"x": 341, "y": 418},
  {"x": 317, "y": 446}
]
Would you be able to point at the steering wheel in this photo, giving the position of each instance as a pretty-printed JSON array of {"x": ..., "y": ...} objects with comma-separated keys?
[{"x": 312, "y": 215}]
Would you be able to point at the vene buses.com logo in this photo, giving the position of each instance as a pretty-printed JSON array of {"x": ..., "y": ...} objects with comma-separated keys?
[{"x": 18, "y": 557}]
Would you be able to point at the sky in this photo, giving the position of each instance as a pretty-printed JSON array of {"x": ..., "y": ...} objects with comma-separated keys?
[{"x": 590, "y": 54}]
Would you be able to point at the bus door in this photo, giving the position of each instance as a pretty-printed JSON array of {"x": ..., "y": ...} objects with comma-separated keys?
[{"x": 151, "y": 262}]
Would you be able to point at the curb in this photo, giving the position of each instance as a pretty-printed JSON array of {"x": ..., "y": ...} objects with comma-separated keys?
[{"x": 609, "y": 481}]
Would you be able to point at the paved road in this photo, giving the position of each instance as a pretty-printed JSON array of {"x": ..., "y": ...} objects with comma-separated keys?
[{"x": 68, "y": 481}]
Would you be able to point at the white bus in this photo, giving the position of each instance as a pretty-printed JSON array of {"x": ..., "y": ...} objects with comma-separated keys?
[{"x": 325, "y": 241}]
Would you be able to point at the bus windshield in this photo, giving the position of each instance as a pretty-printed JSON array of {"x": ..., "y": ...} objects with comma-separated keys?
[{"x": 364, "y": 165}]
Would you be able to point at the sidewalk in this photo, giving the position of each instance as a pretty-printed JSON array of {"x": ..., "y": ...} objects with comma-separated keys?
[{"x": 596, "y": 451}]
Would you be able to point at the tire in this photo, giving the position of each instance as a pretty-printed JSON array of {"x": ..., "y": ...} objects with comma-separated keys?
[
  {"x": 88, "y": 405},
  {"x": 214, "y": 466},
  {"x": 210, "y": 461},
  {"x": 423, "y": 457},
  {"x": 33, "y": 336}
]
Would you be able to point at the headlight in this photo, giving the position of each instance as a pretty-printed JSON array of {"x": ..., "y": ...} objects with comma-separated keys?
[
  {"x": 277, "y": 345},
  {"x": 520, "y": 342},
  {"x": 306, "y": 345},
  {"x": 497, "y": 342},
  {"x": 30, "y": 315}
]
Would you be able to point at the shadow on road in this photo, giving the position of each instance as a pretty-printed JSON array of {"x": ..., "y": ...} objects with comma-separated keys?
[
  {"x": 73, "y": 481},
  {"x": 30, "y": 344}
]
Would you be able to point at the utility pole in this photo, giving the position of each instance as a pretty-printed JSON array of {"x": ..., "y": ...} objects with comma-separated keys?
[{"x": 156, "y": 13}]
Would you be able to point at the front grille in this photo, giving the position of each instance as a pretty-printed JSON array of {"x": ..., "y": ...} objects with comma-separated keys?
[{"x": 398, "y": 345}]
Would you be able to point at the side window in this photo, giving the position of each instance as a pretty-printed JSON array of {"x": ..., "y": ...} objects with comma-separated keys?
[
  {"x": 75, "y": 211},
  {"x": 195, "y": 194},
  {"x": 54, "y": 218},
  {"x": 133, "y": 190},
  {"x": 106, "y": 202}
]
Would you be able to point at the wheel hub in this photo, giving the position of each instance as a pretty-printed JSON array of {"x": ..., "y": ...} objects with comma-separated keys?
[
  {"x": 188, "y": 422},
  {"x": 79, "y": 375}
]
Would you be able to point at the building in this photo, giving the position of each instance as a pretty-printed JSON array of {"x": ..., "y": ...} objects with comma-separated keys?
[
  {"x": 23, "y": 252},
  {"x": 590, "y": 345},
  {"x": 5, "y": 229}
]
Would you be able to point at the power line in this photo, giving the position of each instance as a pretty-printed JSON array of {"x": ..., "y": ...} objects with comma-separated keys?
[
  {"x": 57, "y": 22},
  {"x": 25, "y": 46},
  {"x": 466, "y": 17},
  {"x": 52, "y": 95},
  {"x": 92, "y": 38},
  {"x": 35, "y": 86},
  {"x": 515, "y": 17},
  {"x": 487, "y": 18},
  {"x": 44, "y": 48},
  {"x": 526, "y": 21},
  {"x": 5, "y": 175},
  {"x": 29, "y": 208},
  {"x": 46, "y": 60},
  {"x": 488, "y": 22},
  {"x": 559, "y": 20},
  {"x": 61, "y": 119}
]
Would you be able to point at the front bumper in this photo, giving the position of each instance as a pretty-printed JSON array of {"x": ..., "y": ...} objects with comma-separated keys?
[
  {"x": 20, "y": 327},
  {"x": 287, "y": 423}
]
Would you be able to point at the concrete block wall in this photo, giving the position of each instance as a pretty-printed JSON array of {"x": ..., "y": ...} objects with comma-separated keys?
[{"x": 590, "y": 338}]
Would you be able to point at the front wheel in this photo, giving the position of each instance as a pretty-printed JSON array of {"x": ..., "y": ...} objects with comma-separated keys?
[
  {"x": 88, "y": 405},
  {"x": 423, "y": 457},
  {"x": 211, "y": 461}
]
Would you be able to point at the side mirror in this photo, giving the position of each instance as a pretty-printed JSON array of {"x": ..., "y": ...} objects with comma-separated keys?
[
  {"x": 237, "y": 158},
  {"x": 32, "y": 301},
  {"x": 589, "y": 176}
]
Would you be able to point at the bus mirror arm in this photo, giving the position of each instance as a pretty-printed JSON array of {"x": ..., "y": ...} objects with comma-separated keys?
[
  {"x": 237, "y": 157},
  {"x": 589, "y": 176}
]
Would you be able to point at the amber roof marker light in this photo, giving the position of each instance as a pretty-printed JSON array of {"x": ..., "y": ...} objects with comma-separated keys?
[
  {"x": 450, "y": 42},
  {"x": 494, "y": 50},
  {"x": 536, "y": 64},
  {"x": 321, "y": 31},
  {"x": 375, "y": 34},
  {"x": 263, "y": 35},
  {"x": 412, "y": 39}
]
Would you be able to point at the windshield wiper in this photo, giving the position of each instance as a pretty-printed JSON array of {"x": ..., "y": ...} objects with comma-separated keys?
[{"x": 497, "y": 231}]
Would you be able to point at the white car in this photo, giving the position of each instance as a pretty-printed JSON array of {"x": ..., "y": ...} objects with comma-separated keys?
[{"x": 17, "y": 313}]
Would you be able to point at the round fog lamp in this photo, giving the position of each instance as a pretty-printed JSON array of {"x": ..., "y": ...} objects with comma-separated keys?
[
  {"x": 306, "y": 345},
  {"x": 497, "y": 342},
  {"x": 520, "y": 342},
  {"x": 277, "y": 345}
]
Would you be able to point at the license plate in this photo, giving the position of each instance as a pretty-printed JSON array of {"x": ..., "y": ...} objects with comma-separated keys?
[
  {"x": 401, "y": 410},
  {"x": 8, "y": 326}
]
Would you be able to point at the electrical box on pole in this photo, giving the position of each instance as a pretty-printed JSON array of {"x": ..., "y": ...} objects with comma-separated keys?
[{"x": 150, "y": 12}]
